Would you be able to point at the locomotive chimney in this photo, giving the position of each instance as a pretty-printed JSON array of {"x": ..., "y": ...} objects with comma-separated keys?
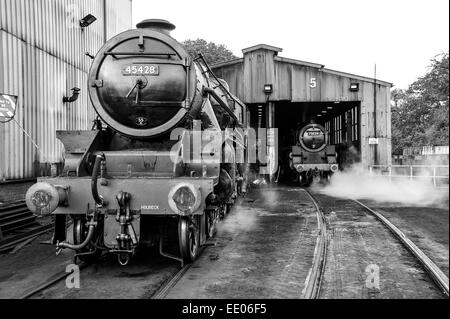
[{"x": 159, "y": 25}]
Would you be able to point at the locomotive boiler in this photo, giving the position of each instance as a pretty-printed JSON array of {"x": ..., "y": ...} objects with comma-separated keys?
[
  {"x": 312, "y": 158},
  {"x": 138, "y": 178}
]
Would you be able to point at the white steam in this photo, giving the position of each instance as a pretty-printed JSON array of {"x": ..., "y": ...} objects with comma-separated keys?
[
  {"x": 243, "y": 219},
  {"x": 357, "y": 183}
]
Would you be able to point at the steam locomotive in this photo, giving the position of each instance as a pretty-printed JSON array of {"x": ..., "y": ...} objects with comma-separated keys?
[
  {"x": 131, "y": 180},
  {"x": 312, "y": 158}
]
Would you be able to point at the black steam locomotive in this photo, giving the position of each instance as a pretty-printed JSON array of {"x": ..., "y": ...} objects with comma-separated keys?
[
  {"x": 312, "y": 158},
  {"x": 131, "y": 180}
]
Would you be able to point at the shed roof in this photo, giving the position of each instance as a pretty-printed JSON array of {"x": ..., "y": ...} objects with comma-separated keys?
[
  {"x": 262, "y": 46},
  {"x": 297, "y": 62}
]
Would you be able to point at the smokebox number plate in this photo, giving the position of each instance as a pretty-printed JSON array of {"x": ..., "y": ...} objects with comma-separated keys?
[
  {"x": 313, "y": 132},
  {"x": 141, "y": 69}
]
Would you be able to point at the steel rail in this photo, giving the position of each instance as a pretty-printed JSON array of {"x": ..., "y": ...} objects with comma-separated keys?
[
  {"x": 164, "y": 289},
  {"x": 314, "y": 279},
  {"x": 49, "y": 282},
  {"x": 430, "y": 267},
  {"x": 10, "y": 243}
]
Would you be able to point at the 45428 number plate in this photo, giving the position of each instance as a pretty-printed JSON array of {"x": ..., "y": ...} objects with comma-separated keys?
[{"x": 141, "y": 69}]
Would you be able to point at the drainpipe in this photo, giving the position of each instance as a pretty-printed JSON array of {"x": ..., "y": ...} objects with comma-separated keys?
[
  {"x": 104, "y": 21},
  {"x": 375, "y": 150}
]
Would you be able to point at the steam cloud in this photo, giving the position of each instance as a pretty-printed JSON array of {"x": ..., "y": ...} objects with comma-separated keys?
[
  {"x": 356, "y": 183},
  {"x": 240, "y": 220}
]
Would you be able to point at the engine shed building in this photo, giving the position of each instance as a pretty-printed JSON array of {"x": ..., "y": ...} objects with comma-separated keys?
[{"x": 285, "y": 93}]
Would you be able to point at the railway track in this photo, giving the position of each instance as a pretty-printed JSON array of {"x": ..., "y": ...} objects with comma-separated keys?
[
  {"x": 312, "y": 289},
  {"x": 438, "y": 276},
  {"x": 314, "y": 279},
  {"x": 18, "y": 225},
  {"x": 164, "y": 289},
  {"x": 57, "y": 277},
  {"x": 316, "y": 274},
  {"x": 430, "y": 268},
  {"x": 15, "y": 216}
]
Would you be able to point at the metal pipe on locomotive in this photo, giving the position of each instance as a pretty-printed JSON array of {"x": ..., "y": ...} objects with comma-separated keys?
[
  {"x": 313, "y": 158},
  {"x": 128, "y": 183}
]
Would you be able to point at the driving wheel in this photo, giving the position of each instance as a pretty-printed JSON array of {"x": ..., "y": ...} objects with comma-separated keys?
[{"x": 189, "y": 237}]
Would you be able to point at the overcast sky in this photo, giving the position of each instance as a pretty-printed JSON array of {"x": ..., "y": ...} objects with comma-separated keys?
[{"x": 400, "y": 36}]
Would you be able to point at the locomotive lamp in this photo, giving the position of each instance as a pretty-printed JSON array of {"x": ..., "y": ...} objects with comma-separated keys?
[
  {"x": 268, "y": 88},
  {"x": 87, "y": 21},
  {"x": 354, "y": 87},
  {"x": 43, "y": 198},
  {"x": 184, "y": 198}
]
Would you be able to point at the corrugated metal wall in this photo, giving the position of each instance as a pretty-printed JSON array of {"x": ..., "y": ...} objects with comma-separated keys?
[
  {"x": 116, "y": 17},
  {"x": 42, "y": 56}
]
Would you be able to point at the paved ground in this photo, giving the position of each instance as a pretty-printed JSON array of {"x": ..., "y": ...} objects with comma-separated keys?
[
  {"x": 36, "y": 263},
  {"x": 427, "y": 227},
  {"x": 264, "y": 250},
  {"x": 358, "y": 243},
  {"x": 108, "y": 280},
  {"x": 29, "y": 267}
]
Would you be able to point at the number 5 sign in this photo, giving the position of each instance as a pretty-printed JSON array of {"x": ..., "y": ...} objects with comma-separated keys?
[{"x": 7, "y": 107}]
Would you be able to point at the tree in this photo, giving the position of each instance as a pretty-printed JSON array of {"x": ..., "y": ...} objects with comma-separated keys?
[
  {"x": 420, "y": 114},
  {"x": 213, "y": 53}
]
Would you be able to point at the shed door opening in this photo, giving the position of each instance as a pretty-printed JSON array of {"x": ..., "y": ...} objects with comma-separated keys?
[{"x": 340, "y": 119}]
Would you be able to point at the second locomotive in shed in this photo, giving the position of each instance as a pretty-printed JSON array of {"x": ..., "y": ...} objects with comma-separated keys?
[{"x": 312, "y": 158}]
